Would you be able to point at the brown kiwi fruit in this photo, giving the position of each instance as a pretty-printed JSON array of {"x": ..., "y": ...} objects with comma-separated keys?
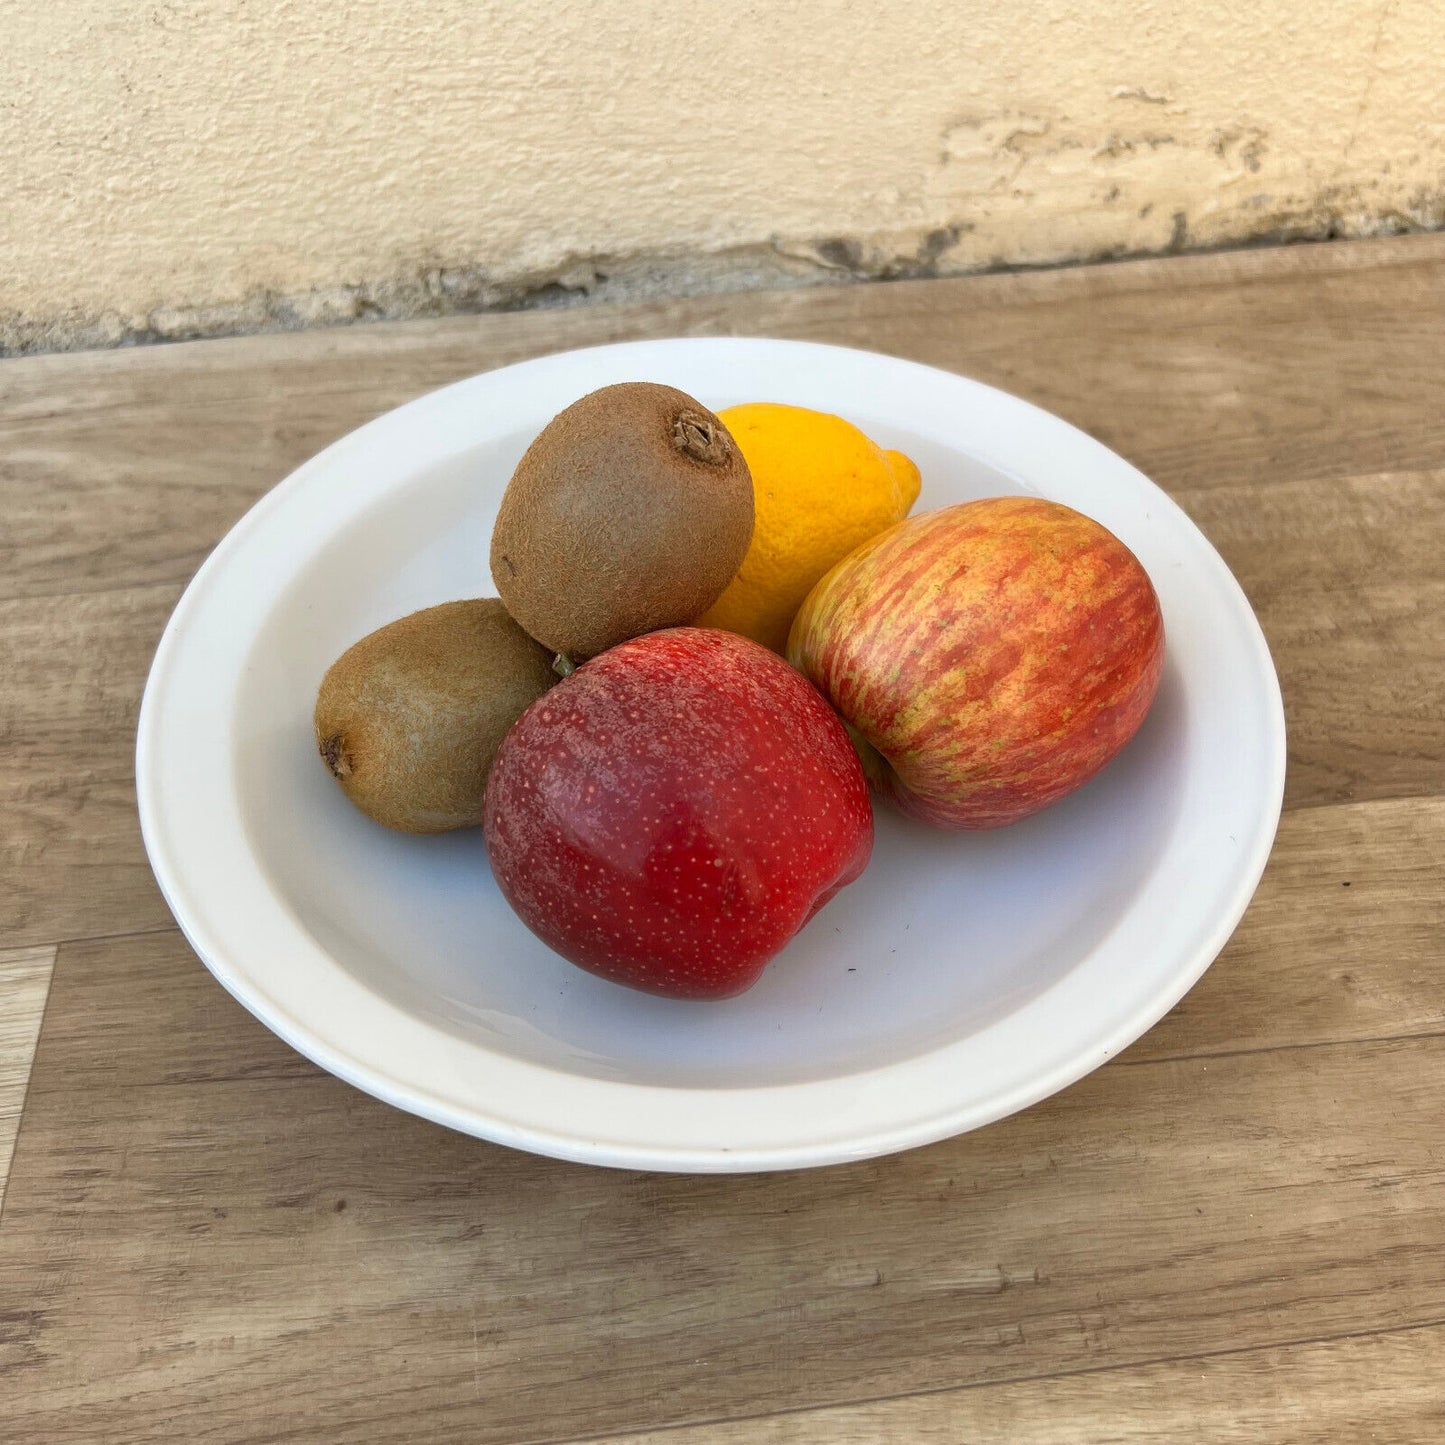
[
  {"x": 632, "y": 510},
  {"x": 409, "y": 719}
]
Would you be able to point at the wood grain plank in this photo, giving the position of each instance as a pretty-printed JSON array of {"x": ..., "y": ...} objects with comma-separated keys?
[
  {"x": 109, "y": 984},
  {"x": 1346, "y": 579},
  {"x": 1360, "y": 661},
  {"x": 1345, "y": 939},
  {"x": 123, "y": 468},
  {"x": 24, "y": 984},
  {"x": 286, "y": 1259},
  {"x": 1379, "y": 1387},
  {"x": 69, "y": 836}
]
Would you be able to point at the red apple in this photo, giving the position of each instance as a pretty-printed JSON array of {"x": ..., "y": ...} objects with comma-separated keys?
[
  {"x": 672, "y": 813},
  {"x": 994, "y": 655}
]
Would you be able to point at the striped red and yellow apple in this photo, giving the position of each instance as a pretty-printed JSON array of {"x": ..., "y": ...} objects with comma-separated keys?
[{"x": 989, "y": 657}]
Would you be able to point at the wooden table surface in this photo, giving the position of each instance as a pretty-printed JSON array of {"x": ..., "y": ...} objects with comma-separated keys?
[{"x": 1235, "y": 1232}]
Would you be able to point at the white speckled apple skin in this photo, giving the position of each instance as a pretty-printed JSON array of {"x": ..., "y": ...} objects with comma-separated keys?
[{"x": 672, "y": 813}]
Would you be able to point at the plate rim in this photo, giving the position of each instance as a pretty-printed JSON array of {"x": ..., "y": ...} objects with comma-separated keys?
[{"x": 915, "y": 1130}]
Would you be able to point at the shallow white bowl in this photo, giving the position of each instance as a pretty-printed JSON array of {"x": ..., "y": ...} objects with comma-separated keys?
[{"x": 962, "y": 978}]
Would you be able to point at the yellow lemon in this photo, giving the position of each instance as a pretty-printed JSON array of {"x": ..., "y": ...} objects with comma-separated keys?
[{"x": 820, "y": 489}]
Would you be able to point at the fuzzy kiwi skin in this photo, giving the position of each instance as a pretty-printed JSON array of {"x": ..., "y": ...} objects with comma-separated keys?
[
  {"x": 631, "y": 511},
  {"x": 409, "y": 719}
]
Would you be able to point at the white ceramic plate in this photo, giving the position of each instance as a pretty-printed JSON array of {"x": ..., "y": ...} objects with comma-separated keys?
[{"x": 962, "y": 978}]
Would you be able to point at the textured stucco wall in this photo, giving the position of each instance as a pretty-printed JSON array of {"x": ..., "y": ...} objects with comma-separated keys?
[{"x": 183, "y": 166}]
